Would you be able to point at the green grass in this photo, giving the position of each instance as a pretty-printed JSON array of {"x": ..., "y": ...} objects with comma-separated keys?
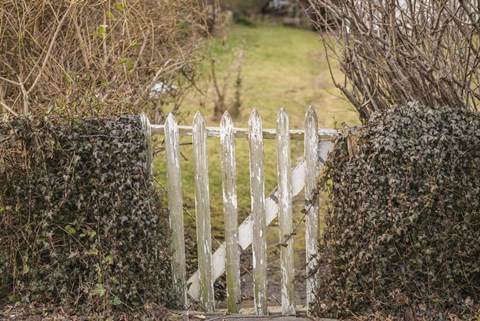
[{"x": 282, "y": 67}]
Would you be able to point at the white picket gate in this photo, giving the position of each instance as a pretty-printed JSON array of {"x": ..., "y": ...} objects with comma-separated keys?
[{"x": 264, "y": 209}]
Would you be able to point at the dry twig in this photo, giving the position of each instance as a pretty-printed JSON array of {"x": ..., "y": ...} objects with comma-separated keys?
[
  {"x": 396, "y": 51},
  {"x": 92, "y": 56}
]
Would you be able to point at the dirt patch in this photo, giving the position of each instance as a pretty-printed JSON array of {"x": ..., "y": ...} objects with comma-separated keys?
[{"x": 274, "y": 279}]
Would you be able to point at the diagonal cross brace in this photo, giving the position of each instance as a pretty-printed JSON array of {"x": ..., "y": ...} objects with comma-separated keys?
[{"x": 245, "y": 229}]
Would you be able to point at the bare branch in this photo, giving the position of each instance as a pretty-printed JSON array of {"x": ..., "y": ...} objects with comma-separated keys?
[{"x": 396, "y": 51}]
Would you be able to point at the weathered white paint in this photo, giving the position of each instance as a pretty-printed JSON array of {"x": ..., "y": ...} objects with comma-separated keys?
[
  {"x": 229, "y": 184},
  {"x": 312, "y": 172},
  {"x": 257, "y": 192},
  {"x": 295, "y": 134},
  {"x": 202, "y": 209},
  {"x": 147, "y": 129},
  {"x": 285, "y": 213},
  {"x": 245, "y": 231},
  {"x": 175, "y": 206},
  {"x": 324, "y": 148}
]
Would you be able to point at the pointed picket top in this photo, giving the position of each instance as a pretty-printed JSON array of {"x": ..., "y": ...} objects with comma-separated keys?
[
  {"x": 311, "y": 115},
  {"x": 255, "y": 123},
  {"x": 282, "y": 116},
  {"x": 170, "y": 118},
  {"x": 172, "y": 138},
  {"x": 311, "y": 127},
  {"x": 171, "y": 126},
  {"x": 198, "y": 120},
  {"x": 226, "y": 122},
  {"x": 170, "y": 122},
  {"x": 283, "y": 130}
]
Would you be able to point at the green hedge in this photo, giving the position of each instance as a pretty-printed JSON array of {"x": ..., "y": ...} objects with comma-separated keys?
[
  {"x": 80, "y": 222},
  {"x": 403, "y": 225}
]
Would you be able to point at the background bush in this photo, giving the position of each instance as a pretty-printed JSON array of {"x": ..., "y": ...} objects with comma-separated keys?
[
  {"x": 403, "y": 224},
  {"x": 244, "y": 7},
  {"x": 92, "y": 57},
  {"x": 80, "y": 220},
  {"x": 394, "y": 52}
]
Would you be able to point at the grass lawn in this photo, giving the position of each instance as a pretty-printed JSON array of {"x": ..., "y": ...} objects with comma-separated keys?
[{"x": 282, "y": 67}]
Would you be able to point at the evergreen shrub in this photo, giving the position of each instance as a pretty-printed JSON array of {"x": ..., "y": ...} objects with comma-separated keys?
[
  {"x": 81, "y": 223},
  {"x": 402, "y": 235}
]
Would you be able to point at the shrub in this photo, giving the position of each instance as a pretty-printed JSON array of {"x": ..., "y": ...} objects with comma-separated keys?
[
  {"x": 94, "y": 57},
  {"x": 392, "y": 52},
  {"x": 244, "y": 8},
  {"x": 81, "y": 223},
  {"x": 403, "y": 224}
]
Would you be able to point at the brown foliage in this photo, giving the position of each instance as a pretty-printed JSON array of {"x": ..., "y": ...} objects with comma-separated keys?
[
  {"x": 396, "y": 51},
  {"x": 92, "y": 56}
]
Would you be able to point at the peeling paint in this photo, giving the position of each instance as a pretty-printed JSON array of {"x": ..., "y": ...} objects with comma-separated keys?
[
  {"x": 232, "y": 259},
  {"x": 258, "y": 212},
  {"x": 175, "y": 204},
  {"x": 290, "y": 181},
  {"x": 202, "y": 209},
  {"x": 285, "y": 213}
]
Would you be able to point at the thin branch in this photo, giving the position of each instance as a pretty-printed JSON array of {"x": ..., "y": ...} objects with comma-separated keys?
[{"x": 8, "y": 109}]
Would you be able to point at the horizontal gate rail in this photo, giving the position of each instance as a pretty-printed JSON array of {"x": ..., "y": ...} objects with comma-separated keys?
[{"x": 295, "y": 134}]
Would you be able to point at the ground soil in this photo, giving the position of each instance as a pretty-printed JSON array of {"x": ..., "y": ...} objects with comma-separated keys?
[
  {"x": 45, "y": 312},
  {"x": 274, "y": 280}
]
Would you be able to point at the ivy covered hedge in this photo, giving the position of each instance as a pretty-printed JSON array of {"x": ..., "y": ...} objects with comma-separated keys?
[
  {"x": 80, "y": 221},
  {"x": 402, "y": 232}
]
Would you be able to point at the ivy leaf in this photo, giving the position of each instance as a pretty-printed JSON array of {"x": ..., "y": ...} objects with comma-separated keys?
[
  {"x": 116, "y": 300},
  {"x": 98, "y": 290},
  {"x": 92, "y": 252},
  {"x": 70, "y": 229}
]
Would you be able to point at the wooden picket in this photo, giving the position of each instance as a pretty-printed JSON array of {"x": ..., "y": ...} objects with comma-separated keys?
[
  {"x": 311, "y": 205},
  {"x": 202, "y": 209},
  {"x": 252, "y": 231},
  {"x": 229, "y": 182},
  {"x": 285, "y": 213},
  {"x": 257, "y": 192},
  {"x": 175, "y": 205}
]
